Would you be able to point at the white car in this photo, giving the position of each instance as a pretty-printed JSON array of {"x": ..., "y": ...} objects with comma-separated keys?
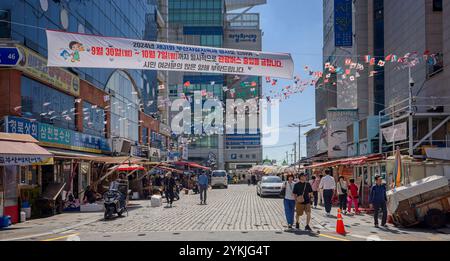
[
  {"x": 269, "y": 186},
  {"x": 219, "y": 178}
]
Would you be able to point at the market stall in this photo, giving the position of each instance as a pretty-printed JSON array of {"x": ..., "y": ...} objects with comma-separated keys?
[{"x": 17, "y": 151}]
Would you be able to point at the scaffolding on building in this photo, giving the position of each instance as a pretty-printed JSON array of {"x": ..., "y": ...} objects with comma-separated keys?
[{"x": 426, "y": 119}]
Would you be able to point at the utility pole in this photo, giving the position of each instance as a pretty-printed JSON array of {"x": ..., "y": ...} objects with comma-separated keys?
[
  {"x": 295, "y": 152},
  {"x": 287, "y": 157},
  {"x": 299, "y": 126}
]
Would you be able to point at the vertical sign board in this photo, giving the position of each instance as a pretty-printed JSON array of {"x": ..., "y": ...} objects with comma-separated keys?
[
  {"x": 338, "y": 120},
  {"x": 343, "y": 23}
]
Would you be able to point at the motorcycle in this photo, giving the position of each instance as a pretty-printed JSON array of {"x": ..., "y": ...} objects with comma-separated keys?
[{"x": 116, "y": 199}]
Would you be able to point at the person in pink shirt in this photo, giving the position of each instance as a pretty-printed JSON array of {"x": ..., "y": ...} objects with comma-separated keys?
[
  {"x": 353, "y": 196},
  {"x": 315, "y": 187}
]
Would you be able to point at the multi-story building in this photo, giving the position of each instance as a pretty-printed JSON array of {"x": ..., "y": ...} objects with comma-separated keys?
[
  {"x": 242, "y": 31},
  {"x": 206, "y": 23},
  {"x": 421, "y": 28},
  {"x": 198, "y": 22},
  {"x": 411, "y": 101},
  {"x": 76, "y": 113}
]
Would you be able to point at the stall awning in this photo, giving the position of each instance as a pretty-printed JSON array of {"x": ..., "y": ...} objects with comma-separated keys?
[
  {"x": 348, "y": 161},
  {"x": 22, "y": 150},
  {"x": 191, "y": 165},
  {"x": 68, "y": 154},
  {"x": 119, "y": 160},
  {"x": 127, "y": 167}
]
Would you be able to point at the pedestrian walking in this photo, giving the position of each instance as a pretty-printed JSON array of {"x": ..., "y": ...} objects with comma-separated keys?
[
  {"x": 353, "y": 197},
  {"x": 169, "y": 188},
  {"x": 289, "y": 200},
  {"x": 377, "y": 200},
  {"x": 203, "y": 183},
  {"x": 342, "y": 189},
  {"x": 315, "y": 182},
  {"x": 253, "y": 179},
  {"x": 320, "y": 192},
  {"x": 328, "y": 185},
  {"x": 303, "y": 193}
]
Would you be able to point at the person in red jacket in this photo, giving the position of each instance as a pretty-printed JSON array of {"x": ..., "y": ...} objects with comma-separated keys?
[{"x": 352, "y": 196}]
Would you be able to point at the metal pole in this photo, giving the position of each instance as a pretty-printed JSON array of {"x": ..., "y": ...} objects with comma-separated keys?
[
  {"x": 299, "y": 144},
  {"x": 410, "y": 120},
  {"x": 295, "y": 152}
]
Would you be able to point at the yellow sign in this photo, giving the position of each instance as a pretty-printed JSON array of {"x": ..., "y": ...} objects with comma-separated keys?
[
  {"x": 49, "y": 161},
  {"x": 36, "y": 66}
]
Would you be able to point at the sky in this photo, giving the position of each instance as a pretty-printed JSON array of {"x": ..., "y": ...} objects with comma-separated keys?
[{"x": 296, "y": 27}]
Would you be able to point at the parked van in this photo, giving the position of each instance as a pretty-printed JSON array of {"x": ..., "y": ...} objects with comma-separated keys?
[{"x": 219, "y": 178}]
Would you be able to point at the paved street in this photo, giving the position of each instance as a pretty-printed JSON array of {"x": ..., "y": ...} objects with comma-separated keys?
[{"x": 232, "y": 214}]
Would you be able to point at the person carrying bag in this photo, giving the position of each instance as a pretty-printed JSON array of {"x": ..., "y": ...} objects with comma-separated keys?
[{"x": 289, "y": 200}]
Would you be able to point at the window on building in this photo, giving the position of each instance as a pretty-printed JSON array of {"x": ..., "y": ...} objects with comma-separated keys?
[
  {"x": 29, "y": 175},
  {"x": 363, "y": 129},
  {"x": 93, "y": 120},
  {"x": 125, "y": 105},
  {"x": 5, "y": 27},
  {"x": 437, "y": 6},
  {"x": 47, "y": 105},
  {"x": 144, "y": 134}
]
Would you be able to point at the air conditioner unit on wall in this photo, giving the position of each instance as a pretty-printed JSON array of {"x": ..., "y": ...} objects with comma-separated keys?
[{"x": 121, "y": 146}]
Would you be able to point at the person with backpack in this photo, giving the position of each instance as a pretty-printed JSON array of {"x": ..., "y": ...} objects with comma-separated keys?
[
  {"x": 289, "y": 200},
  {"x": 342, "y": 189}
]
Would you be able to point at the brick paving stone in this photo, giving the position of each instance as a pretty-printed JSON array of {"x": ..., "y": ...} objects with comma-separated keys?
[{"x": 237, "y": 208}]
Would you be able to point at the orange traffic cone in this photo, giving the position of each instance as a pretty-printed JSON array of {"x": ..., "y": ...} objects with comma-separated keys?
[{"x": 340, "y": 228}]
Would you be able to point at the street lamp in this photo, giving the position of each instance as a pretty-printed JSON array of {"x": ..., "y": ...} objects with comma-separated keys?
[{"x": 299, "y": 126}]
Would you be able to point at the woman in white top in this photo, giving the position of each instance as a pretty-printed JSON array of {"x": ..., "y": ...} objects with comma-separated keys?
[
  {"x": 289, "y": 200},
  {"x": 342, "y": 189}
]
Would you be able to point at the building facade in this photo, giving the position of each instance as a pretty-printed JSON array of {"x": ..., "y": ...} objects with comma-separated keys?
[
  {"x": 380, "y": 29},
  {"x": 421, "y": 28},
  {"x": 207, "y": 23}
]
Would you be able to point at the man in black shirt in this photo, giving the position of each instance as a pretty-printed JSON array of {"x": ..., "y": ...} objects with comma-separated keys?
[
  {"x": 303, "y": 193},
  {"x": 169, "y": 187}
]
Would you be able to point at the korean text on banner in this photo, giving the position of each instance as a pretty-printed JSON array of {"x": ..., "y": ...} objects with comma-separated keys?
[{"x": 90, "y": 51}]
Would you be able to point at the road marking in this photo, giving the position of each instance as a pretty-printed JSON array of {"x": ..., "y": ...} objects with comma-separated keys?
[
  {"x": 62, "y": 237},
  {"x": 55, "y": 231},
  {"x": 369, "y": 238},
  {"x": 333, "y": 237}
]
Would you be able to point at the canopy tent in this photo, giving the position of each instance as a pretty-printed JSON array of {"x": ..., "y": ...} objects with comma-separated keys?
[
  {"x": 127, "y": 167},
  {"x": 348, "y": 161},
  {"x": 190, "y": 164},
  {"x": 268, "y": 170}
]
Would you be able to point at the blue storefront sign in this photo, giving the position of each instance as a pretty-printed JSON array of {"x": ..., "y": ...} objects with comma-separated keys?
[
  {"x": 343, "y": 23},
  {"x": 58, "y": 137},
  {"x": 21, "y": 126},
  {"x": 9, "y": 56}
]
